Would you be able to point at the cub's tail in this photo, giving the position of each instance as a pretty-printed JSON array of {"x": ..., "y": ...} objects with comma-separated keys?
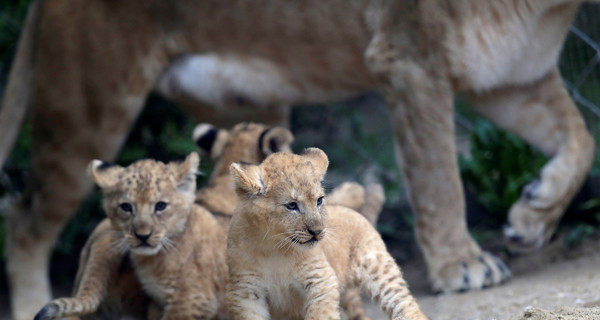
[
  {"x": 374, "y": 200},
  {"x": 368, "y": 200},
  {"x": 17, "y": 95}
]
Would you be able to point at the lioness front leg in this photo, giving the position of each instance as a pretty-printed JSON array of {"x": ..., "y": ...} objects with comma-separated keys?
[
  {"x": 544, "y": 115},
  {"x": 421, "y": 109}
]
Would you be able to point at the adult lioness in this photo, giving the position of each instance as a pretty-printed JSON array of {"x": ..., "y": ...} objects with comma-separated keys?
[{"x": 88, "y": 65}]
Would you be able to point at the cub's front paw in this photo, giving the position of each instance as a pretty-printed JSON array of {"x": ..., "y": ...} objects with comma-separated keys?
[{"x": 48, "y": 312}]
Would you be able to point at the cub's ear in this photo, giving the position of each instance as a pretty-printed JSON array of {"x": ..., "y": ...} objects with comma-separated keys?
[
  {"x": 210, "y": 139},
  {"x": 318, "y": 158},
  {"x": 275, "y": 139},
  {"x": 104, "y": 174},
  {"x": 248, "y": 179},
  {"x": 185, "y": 173}
]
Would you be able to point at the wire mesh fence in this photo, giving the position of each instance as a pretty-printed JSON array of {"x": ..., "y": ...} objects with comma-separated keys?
[{"x": 580, "y": 65}]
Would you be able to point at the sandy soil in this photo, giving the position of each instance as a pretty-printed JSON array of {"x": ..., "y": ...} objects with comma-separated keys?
[
  {"x": 557, "y": 283},
  {"x": 567, "y": 313}
]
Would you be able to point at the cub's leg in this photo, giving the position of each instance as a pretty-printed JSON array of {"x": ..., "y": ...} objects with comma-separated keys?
[
  {"x": 322, "y": 293},
  {"x": 379, "y": 275},
  {"x": 351, "y": 303},
  {"x": 245, "y": 298},
  {"x": 544, "y": 115},
  {"x": 421, "y": 109},
  {"x": 98, "y": 266},
  {"x": 183, "y": 306}
]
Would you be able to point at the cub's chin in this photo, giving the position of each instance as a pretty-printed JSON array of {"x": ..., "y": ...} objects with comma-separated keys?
[
  {"x": 146, "y": 250},
  {"x": 305, "y": 244},
  {"x": 311, "y": 242}
]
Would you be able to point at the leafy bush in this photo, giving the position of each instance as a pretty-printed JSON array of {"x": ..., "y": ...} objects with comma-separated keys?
[{"x": 500, "y": 165}]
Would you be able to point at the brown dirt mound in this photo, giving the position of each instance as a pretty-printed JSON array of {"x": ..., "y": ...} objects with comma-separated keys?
[{"x": 567, "y": 313}]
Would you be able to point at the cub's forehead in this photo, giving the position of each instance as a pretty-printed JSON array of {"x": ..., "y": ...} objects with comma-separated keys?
[
  {"x": 145, "y": 175},
  {"x": 248, "y": 127},
  {"x": 245, "y": 133},
  {"x": 296, "y": 174},
  {"x": 291, "y": 165}
]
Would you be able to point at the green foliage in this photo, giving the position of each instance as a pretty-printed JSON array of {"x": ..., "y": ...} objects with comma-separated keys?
[
  {"x": 585, "y": 224},
  {"x": 499, "y": 167},
  {"x": 12, "y": 13},
  {"x": 14, "y": 174},
  {"x": 579, "y": 233}
]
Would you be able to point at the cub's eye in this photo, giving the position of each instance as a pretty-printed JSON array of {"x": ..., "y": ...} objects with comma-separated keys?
[
  {"x": 160, "y": 206},
  {"x": 320, "y": 201},
  {"x": 126, "y": 207},
  {"x": 291, "y": 206}
]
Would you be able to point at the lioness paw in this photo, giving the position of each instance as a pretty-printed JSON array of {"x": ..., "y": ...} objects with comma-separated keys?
[{"x": 480, "y": 272}]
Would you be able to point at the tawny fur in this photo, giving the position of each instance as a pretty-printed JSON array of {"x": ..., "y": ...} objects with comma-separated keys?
[
  {"x": 87, "y": 67},
  {"x": 289, "y": 254},
  {"x": 106, "y": 287}
]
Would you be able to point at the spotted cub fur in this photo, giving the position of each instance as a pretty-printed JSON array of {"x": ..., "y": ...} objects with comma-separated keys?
[{"x": 290, "y": 255}]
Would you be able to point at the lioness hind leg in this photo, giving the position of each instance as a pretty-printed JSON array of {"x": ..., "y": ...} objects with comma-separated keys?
[
  {"x": 67, "y": 133},
  {"x": 57, "y": 186},
  {"x": 544, "y": 115},
  {"x": 420, "y": 102},
  {"x": 87, "y": 95}
]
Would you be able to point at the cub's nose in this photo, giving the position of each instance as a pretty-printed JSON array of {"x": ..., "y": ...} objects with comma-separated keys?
[
  {"x": 314, "y": 232},
  {"x": 142, "y": 237}
]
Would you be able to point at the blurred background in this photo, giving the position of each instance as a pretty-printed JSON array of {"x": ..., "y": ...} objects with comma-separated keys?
[{"x": 356, "y": 135}]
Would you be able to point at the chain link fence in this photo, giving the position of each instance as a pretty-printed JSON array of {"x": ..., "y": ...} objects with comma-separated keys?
[{"x": 580, "y": 65}]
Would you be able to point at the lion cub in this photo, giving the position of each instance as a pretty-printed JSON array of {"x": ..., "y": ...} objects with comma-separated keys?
[
  {"x": 289, "y": 254},
  {"x": 176, "y": 248}
]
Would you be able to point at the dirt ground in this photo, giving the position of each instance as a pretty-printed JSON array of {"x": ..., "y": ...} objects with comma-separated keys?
[{"x": 559, "y": 282}]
